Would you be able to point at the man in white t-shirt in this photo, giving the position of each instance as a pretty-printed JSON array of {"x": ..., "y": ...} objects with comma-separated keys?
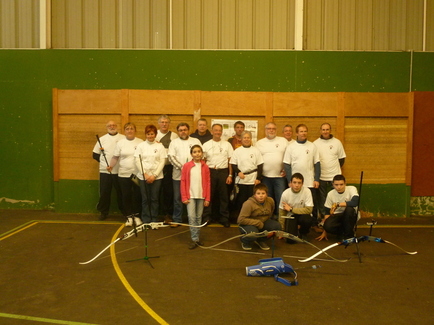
[
  {"x": 103, "y": 153},
  {"x": 332, "y": 158},
  {"x": 295, "y": 208},
  {"x": 217, "y": 153},
  {"x": 165, "y": 136},
  {"x": 178, "y": 154},
  {"x": 340, "y": 210},
  {"x": 302, "y": 157},
  {"x": 272, "y": 149}
]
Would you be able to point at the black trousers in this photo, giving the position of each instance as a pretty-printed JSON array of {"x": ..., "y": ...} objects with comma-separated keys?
[
  {"x": 166, "y": 193},
  {"x": 218, "y": 208},
  {"x": 304, "y": 220},
  {"x": 131, "y": 197},
  {"x": 342, "y": 224},
  {"x": 106, "y": 183}
]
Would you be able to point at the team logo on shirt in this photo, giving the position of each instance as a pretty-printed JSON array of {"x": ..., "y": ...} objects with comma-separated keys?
[
  {"x": 155, "y": 150},
  {"x": 251, "y": 156},
  {"x": 307, "y": 151},
  {"x": 277, "y": 145},
  {"x": 331, "y": 147}
]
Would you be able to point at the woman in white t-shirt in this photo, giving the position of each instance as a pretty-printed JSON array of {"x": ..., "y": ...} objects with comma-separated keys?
[
  {"x": 150, "y": 157},
  {"x": 124, "y": 156}
]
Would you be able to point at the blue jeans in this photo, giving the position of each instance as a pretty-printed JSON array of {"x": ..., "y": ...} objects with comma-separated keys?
[
  {"x": 276, "y": 186},
  {"x": 150, "y": 196},
  {"x": 177, "y": 203},
  {"x": 195, "y": 210},
  {"x": 269, "y": 225}
]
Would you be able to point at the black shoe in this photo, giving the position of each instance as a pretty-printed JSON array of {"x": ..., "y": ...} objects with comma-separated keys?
[
  {"x": 102, "y": 217},
  {"x": 225, "y": 224}
]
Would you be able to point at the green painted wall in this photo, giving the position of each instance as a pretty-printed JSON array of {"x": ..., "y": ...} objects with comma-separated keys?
[{"x": 27, "y": 77}]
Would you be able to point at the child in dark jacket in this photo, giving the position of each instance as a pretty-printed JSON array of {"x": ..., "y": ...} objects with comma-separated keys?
[{"x": 255, "y": 216}]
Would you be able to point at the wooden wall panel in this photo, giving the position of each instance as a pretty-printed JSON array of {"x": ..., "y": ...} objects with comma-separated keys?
[
  {"x": 231, "y": 103},
  {"x": 375, "y": 128},
  {"x": 377, "y": 146},
  {"x": 89, "y": 101},
  {"x": 167, "y": 101},
  {"x": 376, "y": 104},
  {"x": 302, "y": 104}
]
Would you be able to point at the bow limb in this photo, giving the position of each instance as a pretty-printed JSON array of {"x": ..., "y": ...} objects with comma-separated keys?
[
  {"x": 187, "y": 225},
  {"x": 152, "y": 225},
  {"x": 93, "y": 259},
  {"x": 320, "y": 252},
  {"x": 380, "y": 240}
]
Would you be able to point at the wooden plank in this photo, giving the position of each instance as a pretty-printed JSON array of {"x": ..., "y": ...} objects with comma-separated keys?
[
  {"x": 377, "y": 104},
  {"x": 165, "y": 101},
  {"x": 230, "y": 103},
  {"x": 305, "y": 104},
  {"x": 89, "y": 101}
]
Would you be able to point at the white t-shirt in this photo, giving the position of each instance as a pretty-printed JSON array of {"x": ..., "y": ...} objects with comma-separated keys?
[
  {"x": 196, "y": 181},
  {"x": 125, "y": 150},
  {"x": 179, "y": 150},
  {"x": 272, "y": 152},
  {"x": 301, "y": 199},
  {"x": 108, "y": 142},
  {"x": 302, "y": 157},
  {"x": 217, "y": 153},
  {"x": 247, "y": 159},
  {"x": 333, "y": 197},
  {"x": 152, "y": 154},
  {"x": 330, "y": 151}
]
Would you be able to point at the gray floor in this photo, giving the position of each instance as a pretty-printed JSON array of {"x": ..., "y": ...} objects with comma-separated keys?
[{"x": 43, "y": 282}]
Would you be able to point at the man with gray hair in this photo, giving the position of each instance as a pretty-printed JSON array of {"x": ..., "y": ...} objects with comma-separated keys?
[
  {"x": 217, "y": 155},
  {"x": 287, "y": 133},
  {"x": 272, "y": 148},
  {"x": 178, "y": 155},
  {"x": 103, "y": 153},
  {"x": 165, "y": 136}
]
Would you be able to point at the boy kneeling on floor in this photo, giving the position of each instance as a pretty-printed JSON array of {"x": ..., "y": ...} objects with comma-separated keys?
[{"x": 255, "y": 216}]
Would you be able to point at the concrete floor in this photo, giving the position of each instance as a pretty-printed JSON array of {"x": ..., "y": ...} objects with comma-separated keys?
[{"x": 43, "y": 282}]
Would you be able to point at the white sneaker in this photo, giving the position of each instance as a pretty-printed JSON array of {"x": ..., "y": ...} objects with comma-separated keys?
[
  {"x": 138, "y": 221},
  {"x": 129, "y": 222}
]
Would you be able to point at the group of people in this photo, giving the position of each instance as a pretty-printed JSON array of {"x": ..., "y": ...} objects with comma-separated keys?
[{"x": 282, "y": 183}]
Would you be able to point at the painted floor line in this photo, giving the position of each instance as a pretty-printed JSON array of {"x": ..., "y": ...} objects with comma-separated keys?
[
  {"x": 43, "y": 320},
  {"x": 127, "y": 285},
  {"x": 18, "y": 229}
]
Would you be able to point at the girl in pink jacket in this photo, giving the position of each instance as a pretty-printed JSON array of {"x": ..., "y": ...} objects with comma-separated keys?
[{"x": 195, "y": 191}]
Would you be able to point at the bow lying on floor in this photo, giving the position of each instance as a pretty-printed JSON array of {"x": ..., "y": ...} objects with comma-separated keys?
[
  {"x": 278, "y": 234},
  {"x": 137, "y": 229},
  {"x": 353, "y": 240}
]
